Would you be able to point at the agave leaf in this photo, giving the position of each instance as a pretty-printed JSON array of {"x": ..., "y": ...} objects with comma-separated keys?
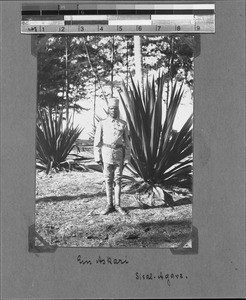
[
  {"x": 159, "y": 192},
  {"x": 49, "y": 166},
  {"x": 52, "y": 124},
  {"x": 158, "y": 155},
  {"x": 184, "y": 170},
  {"x": 53, "y": 144},
  {"x": 40, "y": 166},
  {"x": 66, "y": 162},
  {"x": 155, "y": 125},
  {"x": 130, "y": 178}
]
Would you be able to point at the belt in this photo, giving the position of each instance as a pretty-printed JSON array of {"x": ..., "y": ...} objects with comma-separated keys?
[{"x": 113, "y": 146}]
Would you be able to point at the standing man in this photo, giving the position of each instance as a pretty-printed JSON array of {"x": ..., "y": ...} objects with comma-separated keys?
[{"x": 112, "y": 150}]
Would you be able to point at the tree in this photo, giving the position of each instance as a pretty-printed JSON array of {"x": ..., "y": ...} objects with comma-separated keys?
[
  {"x": 74, "y": 71},
  {"x": 138, "y": 59},
  {"x": 59, "y": 68}
]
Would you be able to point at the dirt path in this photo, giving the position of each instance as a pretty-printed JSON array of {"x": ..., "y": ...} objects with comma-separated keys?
[{"x": 68, "y": 206}]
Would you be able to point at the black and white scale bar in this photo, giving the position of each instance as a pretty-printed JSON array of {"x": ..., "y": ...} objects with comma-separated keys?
[
  {"x": 26, "y": 14},
  {"x": 116, "y": 9},
  {"x": 152, "y": 18}
]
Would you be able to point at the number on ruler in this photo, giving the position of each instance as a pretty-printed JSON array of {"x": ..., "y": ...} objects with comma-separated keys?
[
  {"x": 178, "y": 27},
  {"x": 81, "y": 28},
  {"x": 139, "y": 28},
  {"x": 119, "y": 28},
  {"x": 158, "y": 27},
  {"x": 198, "y": 28},
  {"x": 62, "y": 28},
  {"x": 100, "y": 28},
  {"x": 34, "y": 28}
]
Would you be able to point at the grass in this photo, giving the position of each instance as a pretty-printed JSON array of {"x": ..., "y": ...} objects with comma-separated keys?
[{"x": 68, "y": 206}]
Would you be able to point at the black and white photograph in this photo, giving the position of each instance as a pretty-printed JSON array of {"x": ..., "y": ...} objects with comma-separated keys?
[
  {"x": 122, "y": 149},
  {"x": 114, "y": 150}
]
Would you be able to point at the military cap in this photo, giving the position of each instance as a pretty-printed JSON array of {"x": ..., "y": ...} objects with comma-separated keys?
[{"x": 113, "y": 102}]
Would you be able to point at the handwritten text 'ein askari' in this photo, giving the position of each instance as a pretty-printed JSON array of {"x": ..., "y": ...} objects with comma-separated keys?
[{"x": 108, "y": 260}]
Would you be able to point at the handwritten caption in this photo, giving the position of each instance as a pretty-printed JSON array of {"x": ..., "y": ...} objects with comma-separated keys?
[
  {"x": 168, "y": 277},
  {"x": 103, "y": 260}
]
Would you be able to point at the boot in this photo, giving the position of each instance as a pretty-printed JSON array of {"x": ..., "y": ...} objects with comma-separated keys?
[
  {"x": 109, "y": 193},
  {"x": 109, "y": 208},
  {"x": 117, "y": 207},
  {"x": 120, "y": 210}
]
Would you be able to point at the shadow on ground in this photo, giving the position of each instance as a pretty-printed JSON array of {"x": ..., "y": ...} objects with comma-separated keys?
[
  {"x": 183, "y": 201},
  {"x": 160, "y": 234},
  {"x": 69, "y": 198}
]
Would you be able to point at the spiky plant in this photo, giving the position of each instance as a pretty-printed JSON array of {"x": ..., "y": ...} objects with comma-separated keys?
[
  {"x": 160, "y": 156},
  {"x": 53, "y": 142}
]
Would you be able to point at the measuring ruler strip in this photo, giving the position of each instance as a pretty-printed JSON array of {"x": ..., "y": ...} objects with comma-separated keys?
[
  {"x": 107, "y": 17},
  {"x": 114, "y": 29},
  {"x": 166, "y": 18},
  {"x": 119, "y": 29},
  {"x": 116, "y": 9},
  {"x": 115, "y": 20},
  {"x": 195, "y": 24}
]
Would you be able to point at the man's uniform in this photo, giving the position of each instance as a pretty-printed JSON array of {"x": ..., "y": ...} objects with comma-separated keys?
[{"x": 112, "y": 147}]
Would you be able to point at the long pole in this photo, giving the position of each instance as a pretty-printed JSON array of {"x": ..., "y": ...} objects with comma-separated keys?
[{"x": 95, "y": 74}]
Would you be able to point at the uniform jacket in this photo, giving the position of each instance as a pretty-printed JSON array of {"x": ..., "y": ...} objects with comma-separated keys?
[{"x": 112, "y": 132}]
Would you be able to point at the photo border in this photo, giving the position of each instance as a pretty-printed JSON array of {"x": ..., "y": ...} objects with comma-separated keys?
[{"x": 194, "y": 42}]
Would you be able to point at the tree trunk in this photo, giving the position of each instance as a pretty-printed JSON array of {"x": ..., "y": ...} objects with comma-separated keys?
[
  {"x": 94, "y": 104},
  {"x": 66, "y": 79},
  {"x": 127, "y": 62},
  {"x": 170, "y": 71},
  {"x": 112, "y": 69},
  {"x": 138, "y": 60}
]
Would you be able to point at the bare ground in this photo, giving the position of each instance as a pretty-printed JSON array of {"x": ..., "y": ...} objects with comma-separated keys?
[{"x": 67, "y": 214}]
